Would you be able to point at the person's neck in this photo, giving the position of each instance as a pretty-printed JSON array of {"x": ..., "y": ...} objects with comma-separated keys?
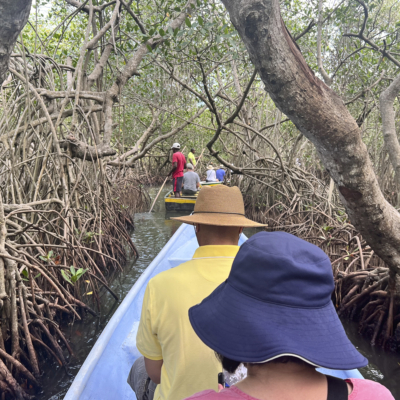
[
  {"x": 284, "y": 382},
  {"x": 219, "y": 242},
  {"x": 209, "y": 235}
]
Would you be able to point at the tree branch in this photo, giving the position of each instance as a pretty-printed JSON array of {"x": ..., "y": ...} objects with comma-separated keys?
[
  {"x": 14, "y": 16},
  {"x": 321, "y": 116}
]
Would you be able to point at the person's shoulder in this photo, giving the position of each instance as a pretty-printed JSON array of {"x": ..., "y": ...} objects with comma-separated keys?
[
  {"x": 171, "y": 275},
  {"x": 205, "y": 394},
  {"x": 364, "y": 389},
  {"x": 211, "y": 395}
]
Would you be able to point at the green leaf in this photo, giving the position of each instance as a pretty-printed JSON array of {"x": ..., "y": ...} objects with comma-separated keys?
[
  {"x": 72, "y": 269},
  {"x": 200, "y": 21},
  {"x": 43, "y": 258},
  {"x": 50, "y": 255},
  {"x": 25, "y": 273},
  {"x": 188, "y": 23},
  {"x": 37, "y": 276},
  {"x": 162, "y": 32},
  {"x": 66, "y": 277}
]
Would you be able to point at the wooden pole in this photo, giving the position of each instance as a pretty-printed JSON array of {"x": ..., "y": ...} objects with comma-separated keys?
[
  {"x": 198, "y": 160},
  {"x": 154, "y": 202}
]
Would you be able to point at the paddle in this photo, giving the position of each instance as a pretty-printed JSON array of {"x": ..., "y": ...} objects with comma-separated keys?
[
  {"x": 198, "y": 160},
  {"x": 154, "y": 202}
]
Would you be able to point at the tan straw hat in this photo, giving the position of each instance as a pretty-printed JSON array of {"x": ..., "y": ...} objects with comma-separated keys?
[
  {"x": 210, "y": 167},
  {"x": 221, "y": 206}
]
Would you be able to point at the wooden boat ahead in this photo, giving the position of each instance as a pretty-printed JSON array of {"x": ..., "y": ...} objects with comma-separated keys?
[
  {"x": 184, "y": 203},
  {"x": 104, "y": 372}
]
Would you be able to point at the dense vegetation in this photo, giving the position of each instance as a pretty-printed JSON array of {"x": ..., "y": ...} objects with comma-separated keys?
[{"x": 95, "y": 94}]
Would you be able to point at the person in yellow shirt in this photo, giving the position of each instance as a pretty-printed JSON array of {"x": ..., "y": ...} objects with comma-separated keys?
[
  {"x": 192, "y": 158},
  {"x": 175, "y": 362}
]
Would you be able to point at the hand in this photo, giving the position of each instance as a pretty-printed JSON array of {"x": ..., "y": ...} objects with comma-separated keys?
[{"x": 220, "y": 387}]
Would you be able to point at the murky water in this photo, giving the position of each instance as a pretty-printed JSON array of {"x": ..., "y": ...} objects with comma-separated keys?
[
  {"x": 383, "y": 367},
  {"x": 151, "y": 234}
]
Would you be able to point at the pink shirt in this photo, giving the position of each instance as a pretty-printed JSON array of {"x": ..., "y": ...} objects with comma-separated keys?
[{"x": 363, "y": 389}]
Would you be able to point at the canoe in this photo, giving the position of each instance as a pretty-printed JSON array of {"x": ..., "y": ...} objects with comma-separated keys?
[
  {"x": 184, "y": 203},
  {"x": 104, "y": 372}
]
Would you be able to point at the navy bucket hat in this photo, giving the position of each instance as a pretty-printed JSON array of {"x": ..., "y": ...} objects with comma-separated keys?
[{"x": 276, "y": 302}]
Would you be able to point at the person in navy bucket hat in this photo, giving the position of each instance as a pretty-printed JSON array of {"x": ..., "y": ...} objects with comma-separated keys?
[{"x": 276, "y": 308}]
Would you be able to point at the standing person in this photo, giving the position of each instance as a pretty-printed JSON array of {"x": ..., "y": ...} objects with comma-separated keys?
[
  {"x": 192, "y": 158},
  {"x": 172, "y": 352},
  {"x": 191, "y": 181},
  {"x": 178, "y": 165},
  {"x": 220, "y": 173},
  {"x": 274, "y": 313},
  {"x": 211, "y": 176}
]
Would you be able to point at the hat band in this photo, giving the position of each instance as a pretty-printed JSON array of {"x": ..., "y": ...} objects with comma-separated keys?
[{"x": 216, "y": 212}]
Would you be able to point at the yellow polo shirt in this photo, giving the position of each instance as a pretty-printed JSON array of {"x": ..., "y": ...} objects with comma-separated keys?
[
  {"x": 165, "y": 332},
  {"x": 192, "y": 159}
]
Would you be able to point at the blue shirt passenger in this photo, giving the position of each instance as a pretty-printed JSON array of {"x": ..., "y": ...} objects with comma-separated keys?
[{"x": 220, "y": 173}]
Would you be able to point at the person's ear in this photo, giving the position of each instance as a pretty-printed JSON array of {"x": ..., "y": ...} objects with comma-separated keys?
[
  {"x": 197, "y": 228},
  {"x": 240, "y": 230}
]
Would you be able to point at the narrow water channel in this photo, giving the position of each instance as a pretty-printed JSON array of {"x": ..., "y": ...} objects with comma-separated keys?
[{"x": 152, "y": 232}]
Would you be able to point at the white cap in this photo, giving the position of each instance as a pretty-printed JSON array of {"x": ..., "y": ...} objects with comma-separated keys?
[{"x": 176, "y": 146}]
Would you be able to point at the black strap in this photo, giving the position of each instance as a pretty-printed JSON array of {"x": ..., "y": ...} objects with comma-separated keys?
[
  {"x": 217, "y": 212},
  {"x": 337, "y": 388}
]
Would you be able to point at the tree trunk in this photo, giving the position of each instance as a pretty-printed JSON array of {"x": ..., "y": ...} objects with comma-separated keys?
[
  {"x": 14, "y": 15},
  {"x": 389, "y": 128},
  {"x": 320, "y": 114}
]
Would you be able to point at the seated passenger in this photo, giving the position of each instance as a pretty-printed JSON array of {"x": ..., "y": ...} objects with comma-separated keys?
[
  {"x": 173, "y": 354},
  {"x": 274, "y": 314},
  {"x": 211, "y": 175},
  {"x": 191, "y": 181},
  {"x": 220, "y": 173}
]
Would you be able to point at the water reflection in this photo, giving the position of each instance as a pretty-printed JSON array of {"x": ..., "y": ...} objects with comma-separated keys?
[{"x": 383, "y": 367}]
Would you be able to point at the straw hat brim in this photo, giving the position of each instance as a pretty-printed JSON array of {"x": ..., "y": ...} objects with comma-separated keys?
[
  {"x": 219, "y": 219},
  {"x": 210, "y": 167}
]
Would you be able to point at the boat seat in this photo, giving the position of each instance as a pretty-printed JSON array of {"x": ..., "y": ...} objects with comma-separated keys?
[{"x": 129, "y": 345}]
